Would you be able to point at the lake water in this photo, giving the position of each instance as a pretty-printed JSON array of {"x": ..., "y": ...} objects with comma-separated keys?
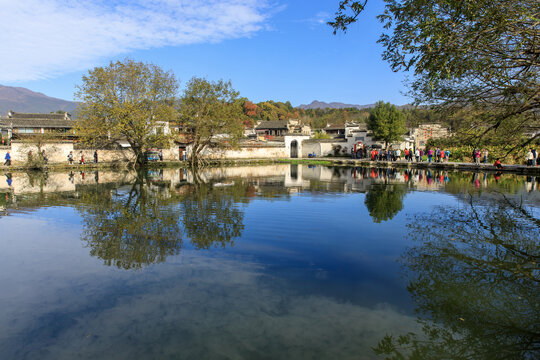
[{"x": 269, "y": 262}]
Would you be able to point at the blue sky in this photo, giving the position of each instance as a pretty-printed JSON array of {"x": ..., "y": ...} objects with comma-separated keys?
[{"x": 275, "y": 50}]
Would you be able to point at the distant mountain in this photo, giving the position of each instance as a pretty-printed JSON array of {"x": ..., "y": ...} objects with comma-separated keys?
[
  {"x": 333, "y": 105},
  {"x": 21, "y": 99}
]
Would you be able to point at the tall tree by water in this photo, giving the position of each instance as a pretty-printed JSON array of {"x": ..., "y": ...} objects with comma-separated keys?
[
  {"x": 480, "y": 54},
  {"x": 387, "y": 122},
  {"x": 126, "y": 100},
  {"x": 210, "y": 109}
]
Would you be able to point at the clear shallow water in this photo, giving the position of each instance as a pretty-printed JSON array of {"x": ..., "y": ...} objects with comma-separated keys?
[{"x": 270, "y": 262}]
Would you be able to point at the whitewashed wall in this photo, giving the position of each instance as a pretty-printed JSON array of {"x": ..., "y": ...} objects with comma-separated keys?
[{"x": 272, "y": 152}]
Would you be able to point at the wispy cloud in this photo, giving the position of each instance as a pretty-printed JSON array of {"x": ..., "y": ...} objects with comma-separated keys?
[
  {"x": 321, "y": 18},
  {"x": 45, "y": 38}
]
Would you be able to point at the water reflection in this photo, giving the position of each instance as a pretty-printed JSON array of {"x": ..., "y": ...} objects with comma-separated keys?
[
  {"x": 212, "y": 215},
  {"x": 129, "y": 227},
  {"x": 384, "y": 201},
  {"x": 475, "y": 280},
  {"x": 309, "y": 267},
  {"x": 144, "y": 223}
]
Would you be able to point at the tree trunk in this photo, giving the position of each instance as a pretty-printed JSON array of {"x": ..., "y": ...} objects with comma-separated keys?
[
  {"x": 140, "y": 160},
  {"x": 194, "y": 156}
]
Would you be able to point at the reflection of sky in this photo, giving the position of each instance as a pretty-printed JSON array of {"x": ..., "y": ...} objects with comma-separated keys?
[
  {"x": 59, "y": 303},
  {"x": 310, "y": 277}
]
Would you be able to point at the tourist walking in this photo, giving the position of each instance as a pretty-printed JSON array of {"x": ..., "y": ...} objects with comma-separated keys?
[
  {"x": 160, "y": 155},
  {"x": 398, "y": 154},
  {"x": 446, "y": 154},
  {"x": 95, "y": 157},
  {"x": 421, "y": 155},
  {"x": 438, "y": 154},
  {"x": 417, "y": 155},
  {"x": 530, "y": 158},
  {"x": 486, "y": 153},
  {"x": 70, "y": 158},
  {"x": 8, "y": 159},
  {"x": 429, "y": 155},
  {"x": 477, "y": 155}
]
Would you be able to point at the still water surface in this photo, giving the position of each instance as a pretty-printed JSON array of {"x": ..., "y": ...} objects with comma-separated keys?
[{"x": 269, "y": 262}]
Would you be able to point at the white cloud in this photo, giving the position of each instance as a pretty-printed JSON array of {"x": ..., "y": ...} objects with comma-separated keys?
[
  {"x": 44, "y": 38},
  {"x": 321, "y": 18}
]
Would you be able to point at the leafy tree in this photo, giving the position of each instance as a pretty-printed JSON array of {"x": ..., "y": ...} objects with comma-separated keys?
[
  {"x": 319, "y": 118},
  {"x": 250, "y": 109},
  {"x": 479, "y": 54},
  {"x": 474, "y": 280},
  {"x": 385, "y": 201},
  {"x": 387, "y": 123},
  {"x": 321, "y": 135},
  {"x": 126, "y": 100},
  {"x": 209, "y": 109}
]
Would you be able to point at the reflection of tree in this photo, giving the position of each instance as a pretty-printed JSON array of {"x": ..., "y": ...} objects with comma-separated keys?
[
  {"x": 130, "y": 229},
  {"x": 476, "y": 278},
  {"x": 385, "y": 201},
  {"x": 212, "y": 215}
]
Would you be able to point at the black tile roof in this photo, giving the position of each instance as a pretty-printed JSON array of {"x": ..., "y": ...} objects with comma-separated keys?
[
  {"x": 26, "y": 120},
  {"x": 273, "y": 125}
]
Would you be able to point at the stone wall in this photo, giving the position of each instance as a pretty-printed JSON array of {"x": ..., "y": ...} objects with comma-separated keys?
[
  {"x": 103, "y": 156},
  {"x": 323, "y": 147},
  {"x": 57, "y": 153},
  {"x": 246, "y": 153}
]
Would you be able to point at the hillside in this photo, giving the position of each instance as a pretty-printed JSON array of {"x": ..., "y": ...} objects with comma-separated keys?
[{"x": 24, "y": 100}]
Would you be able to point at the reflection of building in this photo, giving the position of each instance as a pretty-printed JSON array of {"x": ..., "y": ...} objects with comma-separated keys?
[{"x": 16, "y": 125}]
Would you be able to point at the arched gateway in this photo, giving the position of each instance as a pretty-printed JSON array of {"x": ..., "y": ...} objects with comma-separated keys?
[
  {"x": 293, "y": 144},
  {"x": 294, "y": 149}
]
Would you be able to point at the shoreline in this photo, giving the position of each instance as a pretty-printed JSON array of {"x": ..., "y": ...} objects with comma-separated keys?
[{"x": 342, "y": 162}]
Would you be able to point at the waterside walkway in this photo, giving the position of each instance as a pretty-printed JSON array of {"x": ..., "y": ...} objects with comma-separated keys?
[{"x": 446, "y": 166}]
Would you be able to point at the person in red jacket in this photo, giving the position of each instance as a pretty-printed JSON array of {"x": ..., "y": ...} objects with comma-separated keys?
[{"x": 497, "y": 164}]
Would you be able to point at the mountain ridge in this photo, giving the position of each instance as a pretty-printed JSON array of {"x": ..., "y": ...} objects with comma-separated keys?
[
  {"x": 24, "y": 100},
  {"x": 316, "y": 104}
]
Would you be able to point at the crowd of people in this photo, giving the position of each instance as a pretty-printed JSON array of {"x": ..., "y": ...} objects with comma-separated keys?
[
  {"x": 418, "y": 155},
  {"x": 435, "y": 155}
]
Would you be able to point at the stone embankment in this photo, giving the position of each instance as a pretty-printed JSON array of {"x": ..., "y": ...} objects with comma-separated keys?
[{"x": 446, "y": 166}]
